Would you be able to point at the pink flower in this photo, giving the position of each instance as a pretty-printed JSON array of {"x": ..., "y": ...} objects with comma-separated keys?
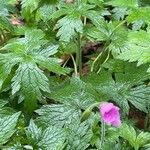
[{"x": 110, "y": 114}]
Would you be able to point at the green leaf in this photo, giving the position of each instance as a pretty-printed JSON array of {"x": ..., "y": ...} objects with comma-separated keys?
[
  {"x": 120, "y": 13},
  {"x": 73, "y": 102},
  {"x": 68, "y": 26},
  {"x": 28, "y": 6},
  {"x": 137, "y": 25},
  {"x": 4, "y": 16},
  {"x": 51, "y": 138},
  {"x": 52, "y": 64},
  {"x": 96, "y": 15},
  {"x": 5, "y": 24},
  {"x": 142, "y": 139},
  {"x": 79, "y": 96},
  {"x": 112, "y": 32},
  {"x": 137, "y": 48},
  {"x": 28, "y": 52},
  {"x": 48, "y": 51},
  {"x": 7, "y": 62},
  {"x": 33, "y": 132},
  {"x": 46, "y": 11},
  {"x": 95, "y": 34},
  {"x": 4, "y": 12},
  {"x": 127, "y": 72},
  {"x": 69, "y": 48},
  {"x": 32, "y": 41},
  {"x": 41, "y": 57},
  {"x": 140, "y": 14},
  {"x": 3, "y": 102},
  {"x": 30, "y": 80},
  {"x": 144, "y": 2},
  {"x": 120, "y": 92},
  {"x": 96, "y": 2},
  {"x": 64, "y": 10},
  {"x": 136, "y": 141},
  {"x": 6, "y": 111},
  {"x": 78, "y": 136},
  {"x": 71, "y": 23},
  {"x": 128, "y": 133},
  {"x": 58, "y": 115},
  {"x": 123, "y": 3},
  {"x": 7, "y": 127}
]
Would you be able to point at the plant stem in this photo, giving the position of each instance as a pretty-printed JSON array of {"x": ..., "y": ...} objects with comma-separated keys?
[
  {"x": 104, "y": 62},
  {"x": 65, "y": 63},
  {"x": 84, "y": 23},
  {"x": 147, "y": 119},
  {"x": 102, "y": 134},
  {"x": 78, "y": 2},
  {"x": 96, "y": 59},
  {"x": 105, "y": 46},
  {"x": 79, "y": 54},
  {"x": 118, "y": 26},
  {"x": 146, "y": 123},
  {"x": 85, "y": 115},
  {"x": 75, "y": 66}
]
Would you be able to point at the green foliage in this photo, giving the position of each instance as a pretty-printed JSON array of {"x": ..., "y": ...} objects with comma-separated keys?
[
  {"x": 106, "y": 45},
  {"x": 113, "y": 33},
  {"x": 4, "y": 14},
  {"x": 123, "y": 3},
  {"x": 7, "y": 62},
  {"x": 127, "y": 72},
  {"x": 136, "y": 141},
  {"x": 58, "y": 115},
  {"x": 78, "y": 136},
  {"x": 29, "y": 52},
  {"x": 7, "y": 127},
  {"x": 3, "y": 103},
  {"x": 72, "y": 23},
  {"x": 45, "y": 12},
  {"x": 51, "y": 138},
  {"x": 122, "y": 90},
  {"x": 119, "y": 13},
  {"x": 79, "y": 95},
  {"x": 5, "y": 23},
  {"x": 137, "y": 48},
  {"x": 32, "y": 80},
  {"x": 68, "y": 26},
  {"x": 28, "y": 7},
  {"x": 140, "y": 14}
]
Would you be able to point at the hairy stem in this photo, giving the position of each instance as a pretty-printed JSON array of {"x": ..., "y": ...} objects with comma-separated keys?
[
  {"x": 102, "y": 134},
  {"x": 86, "y": 114},
  {"x": 79, "y": 54},
  {"x": 75, "y": 66}
]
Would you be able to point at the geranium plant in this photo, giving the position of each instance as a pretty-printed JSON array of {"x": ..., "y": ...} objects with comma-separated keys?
[{"x": 74, "y": 74}]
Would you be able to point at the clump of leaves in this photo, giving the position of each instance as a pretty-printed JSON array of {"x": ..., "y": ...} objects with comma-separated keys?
[
  {"x": 43, "y": 104},
  {"x": 29, "y": 53}
]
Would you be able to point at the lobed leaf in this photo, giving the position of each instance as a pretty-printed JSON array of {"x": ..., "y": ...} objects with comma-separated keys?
[
  {"x": 8, "y": 127},
  {"x": 51, "y": 138},
  {"x": 30, "y": 80},
  {"x": 58, "y": 115},
  {"x": 68, "y": 26}
]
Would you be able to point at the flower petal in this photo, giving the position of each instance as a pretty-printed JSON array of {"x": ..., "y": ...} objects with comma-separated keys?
[{"x": 110, "y": 114}]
